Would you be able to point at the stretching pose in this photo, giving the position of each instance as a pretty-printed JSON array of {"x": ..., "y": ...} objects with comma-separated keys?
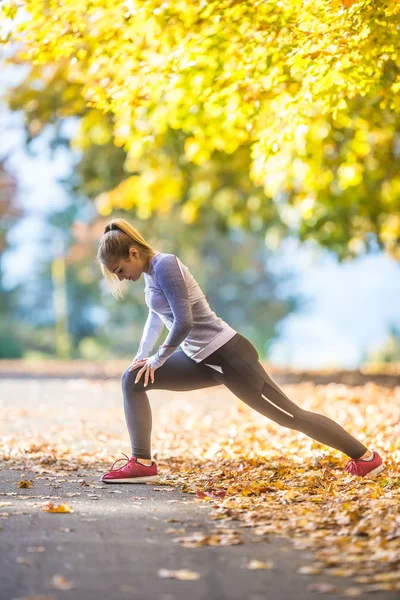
[{"x": 200, "y": 351}]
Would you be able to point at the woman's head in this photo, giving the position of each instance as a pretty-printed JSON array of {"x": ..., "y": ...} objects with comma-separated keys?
[{"x": 123, "y": 254}]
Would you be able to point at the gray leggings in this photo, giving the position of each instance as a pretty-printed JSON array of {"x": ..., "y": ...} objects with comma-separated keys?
[{"x": 235, "y": 365}]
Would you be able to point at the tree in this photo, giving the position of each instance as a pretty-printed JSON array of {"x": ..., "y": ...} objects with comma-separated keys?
[
  {"x": 308, "y": 89},
  {"x": 192, "y": 229},
  {"x": 11, "y": 345}
]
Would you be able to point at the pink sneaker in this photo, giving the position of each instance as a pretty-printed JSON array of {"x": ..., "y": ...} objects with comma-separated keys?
[
  {"x": 357, "y": 466},
  {"x": 132, "y": 472}
]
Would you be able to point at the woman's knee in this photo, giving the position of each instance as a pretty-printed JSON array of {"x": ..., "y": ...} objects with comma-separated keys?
[{"x": 128, "y": 380}]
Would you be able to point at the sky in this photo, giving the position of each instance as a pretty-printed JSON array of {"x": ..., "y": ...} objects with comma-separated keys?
[{"x": 350, "y": 306}]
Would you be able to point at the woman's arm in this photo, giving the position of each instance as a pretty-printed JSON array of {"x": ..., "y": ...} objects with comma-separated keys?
[
  {"x": 151, "y": 332},
  {"x": 172, "y": 283}
]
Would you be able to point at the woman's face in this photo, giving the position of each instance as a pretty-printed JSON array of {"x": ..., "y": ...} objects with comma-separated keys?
[{"x": 131, "y": 268}]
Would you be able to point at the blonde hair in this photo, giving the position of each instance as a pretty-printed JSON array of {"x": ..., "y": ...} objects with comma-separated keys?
[{"x": 118, "y": 237}]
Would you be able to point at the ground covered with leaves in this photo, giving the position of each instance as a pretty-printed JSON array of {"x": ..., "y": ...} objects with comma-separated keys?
[{"x": 253, "y": 474}]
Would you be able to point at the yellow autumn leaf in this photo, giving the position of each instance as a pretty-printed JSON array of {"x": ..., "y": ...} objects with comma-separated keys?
[{"x": 58, "y": 508}]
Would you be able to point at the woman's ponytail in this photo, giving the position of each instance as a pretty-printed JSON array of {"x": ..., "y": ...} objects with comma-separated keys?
[{"x": 118, "y": 237}]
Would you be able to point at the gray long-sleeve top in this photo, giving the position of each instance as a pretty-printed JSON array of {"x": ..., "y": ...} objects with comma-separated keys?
[{"x": 176, "y": 300}]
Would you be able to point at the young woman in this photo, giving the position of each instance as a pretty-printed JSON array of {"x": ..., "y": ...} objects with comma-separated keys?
[{"x": 200, "y": 351}]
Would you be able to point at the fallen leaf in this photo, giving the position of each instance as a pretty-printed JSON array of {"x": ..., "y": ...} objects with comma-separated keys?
[
  {"x": 181, "y": 574},
  {"x": 309, "y": 570},
  {"x": 59, "y": 508},
  {"x": 259, "y": 564},
  {"x": 174, "y": 530},
  {"x": 209, "y": 494},
  {"x": 60, "y": 582},
  {"x": 25, "y": 483},
  {"x": 352, "y": 591}
]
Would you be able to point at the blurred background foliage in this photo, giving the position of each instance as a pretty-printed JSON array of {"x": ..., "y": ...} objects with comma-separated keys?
[
  {"x": 97, "y": 326},
  {"x": 218, "y": 129},
  {"x": 306, "y": 95}
]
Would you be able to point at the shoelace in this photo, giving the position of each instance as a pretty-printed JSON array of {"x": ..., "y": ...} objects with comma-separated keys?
[
  {"x": 128, "y": 459},
  {"x": 352, "y": 467}
]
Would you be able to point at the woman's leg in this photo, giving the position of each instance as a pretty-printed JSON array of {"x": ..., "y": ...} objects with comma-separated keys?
[
  {"x": 178, "y": 373},
  {"x": 243, "y": 374}
]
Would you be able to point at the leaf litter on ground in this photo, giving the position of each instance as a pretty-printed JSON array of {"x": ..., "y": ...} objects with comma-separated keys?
[{"x": 254, "y": 474}]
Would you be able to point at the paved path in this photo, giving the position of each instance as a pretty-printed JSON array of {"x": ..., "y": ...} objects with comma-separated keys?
[{"x": 114, "y": 543}]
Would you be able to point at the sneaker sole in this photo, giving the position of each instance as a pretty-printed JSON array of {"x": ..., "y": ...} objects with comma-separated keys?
[
  {"x": 377, "y": 470},
  {"x": 132, "y": 479}
]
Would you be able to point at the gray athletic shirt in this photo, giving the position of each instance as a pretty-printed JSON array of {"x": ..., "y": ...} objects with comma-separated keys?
[{"x": 175, "y": 299}]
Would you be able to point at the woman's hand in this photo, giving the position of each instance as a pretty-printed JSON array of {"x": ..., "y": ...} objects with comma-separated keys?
[
  {"x": 147, "y": 369},
  {"x": 137, "y": 362}
]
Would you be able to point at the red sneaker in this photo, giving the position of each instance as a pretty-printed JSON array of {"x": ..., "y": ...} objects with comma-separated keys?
[
  {"x": 132, "y": 472},
  {"x": 357, "y": 466}
]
